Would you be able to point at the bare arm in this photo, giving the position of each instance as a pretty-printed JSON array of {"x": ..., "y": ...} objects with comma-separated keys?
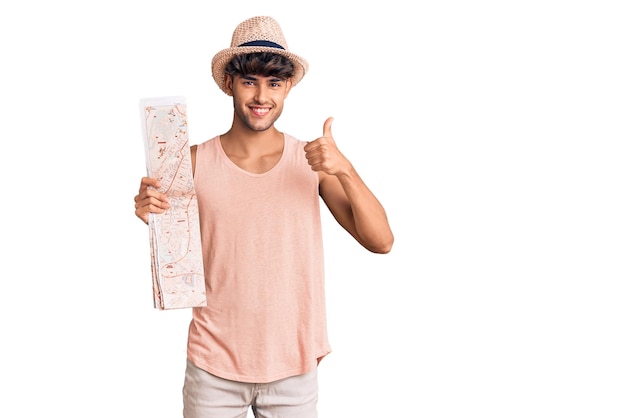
[{"x": 348, "y": 198}]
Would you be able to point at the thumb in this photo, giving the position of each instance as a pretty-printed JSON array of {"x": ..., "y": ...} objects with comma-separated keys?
[{"x": 327, "y": 127}]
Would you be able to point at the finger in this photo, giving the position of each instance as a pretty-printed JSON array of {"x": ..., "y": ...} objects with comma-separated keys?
[
  {"x": 160, "y": 201},
  {"x": 144, "y": 208},
  {"x": 149, "y": 182},
  {"x": 152, "y": 198},
  {"x": 313, "y": 156},
  {"x": 327, "y": 127},
  {"x": 315, "y": 166}
]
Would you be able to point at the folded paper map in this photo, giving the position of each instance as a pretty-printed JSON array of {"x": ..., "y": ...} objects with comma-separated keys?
[{"x": 176, "y": 252}]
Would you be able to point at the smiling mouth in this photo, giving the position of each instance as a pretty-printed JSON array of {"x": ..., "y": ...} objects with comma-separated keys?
[{"x": 260, "y": 111}]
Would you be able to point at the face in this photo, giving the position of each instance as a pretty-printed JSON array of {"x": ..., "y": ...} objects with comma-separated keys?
[{"x": 258, "y": 101}]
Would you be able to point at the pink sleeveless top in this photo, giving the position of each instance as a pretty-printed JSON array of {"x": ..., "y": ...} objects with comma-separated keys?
[{"x": 263, "y": 260}]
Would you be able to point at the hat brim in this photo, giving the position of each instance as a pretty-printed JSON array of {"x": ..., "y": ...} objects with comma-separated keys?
[{"x": 222, "y": 58}]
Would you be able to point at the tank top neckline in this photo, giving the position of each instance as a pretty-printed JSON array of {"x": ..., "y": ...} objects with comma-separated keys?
[{"x": 250, "y": 173}]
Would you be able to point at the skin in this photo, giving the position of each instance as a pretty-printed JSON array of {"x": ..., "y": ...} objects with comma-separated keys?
[{"x": 255, "y": 145}]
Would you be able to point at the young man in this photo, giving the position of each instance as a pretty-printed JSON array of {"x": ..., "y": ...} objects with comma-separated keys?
[{"x": 260, "y": 338}]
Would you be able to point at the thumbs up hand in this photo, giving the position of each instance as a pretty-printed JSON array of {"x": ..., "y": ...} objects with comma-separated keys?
[{"x": 323, "y": 154}]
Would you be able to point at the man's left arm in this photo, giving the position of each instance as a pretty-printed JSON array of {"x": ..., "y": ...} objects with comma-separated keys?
[{"x": 348, "y": 198}]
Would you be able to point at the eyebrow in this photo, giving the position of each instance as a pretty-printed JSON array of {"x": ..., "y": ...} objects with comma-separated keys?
[{"x": 256, "y": 78}]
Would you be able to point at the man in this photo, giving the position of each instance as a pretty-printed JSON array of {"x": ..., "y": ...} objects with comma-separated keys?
[{"x": 260, "y": 338}]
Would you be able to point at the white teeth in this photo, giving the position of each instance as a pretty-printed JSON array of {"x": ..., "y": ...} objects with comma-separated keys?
[{"x": 260, "y": 111}]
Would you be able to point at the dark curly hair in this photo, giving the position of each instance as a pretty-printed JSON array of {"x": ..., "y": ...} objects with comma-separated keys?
[{"x": 263, "y": 64}]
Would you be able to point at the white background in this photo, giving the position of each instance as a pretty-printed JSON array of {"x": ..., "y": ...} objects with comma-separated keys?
[{"x": 493, "y": 133}]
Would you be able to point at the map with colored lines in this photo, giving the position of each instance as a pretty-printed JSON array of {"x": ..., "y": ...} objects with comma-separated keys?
[{"x": 176, "y": 251}]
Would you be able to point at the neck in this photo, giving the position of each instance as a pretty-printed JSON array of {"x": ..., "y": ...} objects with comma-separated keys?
[{"x": 248, "y": 141}]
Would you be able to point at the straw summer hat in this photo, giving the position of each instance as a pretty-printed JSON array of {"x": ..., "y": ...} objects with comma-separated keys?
[{"x": 257, "y": 34}]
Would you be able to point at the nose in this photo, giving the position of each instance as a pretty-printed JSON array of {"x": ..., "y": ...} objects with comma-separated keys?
[{"x": 261, "y": 93}]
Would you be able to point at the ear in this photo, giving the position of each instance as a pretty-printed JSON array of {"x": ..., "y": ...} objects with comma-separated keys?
[
  {"x": 288, "y": 85},
  {"x": 228, "y": 84}
]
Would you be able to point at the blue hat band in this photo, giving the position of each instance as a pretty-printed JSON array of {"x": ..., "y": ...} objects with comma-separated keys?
[{"x": 262, "y": 43}]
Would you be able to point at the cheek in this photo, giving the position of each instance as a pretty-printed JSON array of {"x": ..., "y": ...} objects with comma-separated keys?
[{"x": 279, "y": 97}]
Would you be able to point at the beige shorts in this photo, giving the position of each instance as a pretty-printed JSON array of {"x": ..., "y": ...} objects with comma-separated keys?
[{"x": 209, "y": 396}]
